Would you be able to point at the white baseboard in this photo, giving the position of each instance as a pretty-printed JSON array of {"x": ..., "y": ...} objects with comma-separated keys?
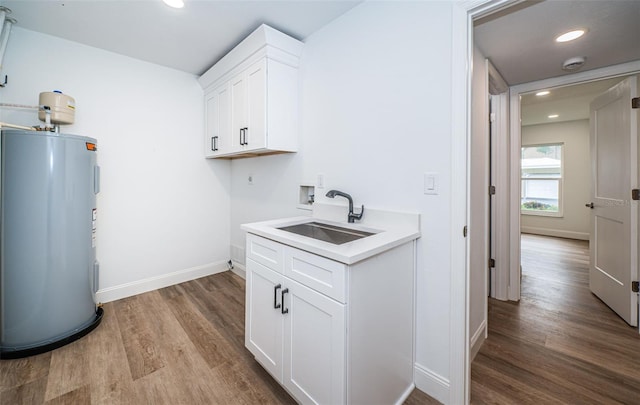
[
  {"x": 406, "y": 394},
  {"x": 478, "y": 339},
  {"x": 154, "y": 283},
  {"x": 559, "y": 233},
  {"x": 240, "y": 270},
  {"x": 432, "y": 383}
]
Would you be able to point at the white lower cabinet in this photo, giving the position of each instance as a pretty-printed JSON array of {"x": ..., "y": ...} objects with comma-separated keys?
[
  {"x": 300, "y": 334},
  {"x": 297, "y": 334}
]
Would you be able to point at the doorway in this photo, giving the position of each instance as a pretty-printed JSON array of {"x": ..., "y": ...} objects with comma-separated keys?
[{"x": 571, "y": 94}]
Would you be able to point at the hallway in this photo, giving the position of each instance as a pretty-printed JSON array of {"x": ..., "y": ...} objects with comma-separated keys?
[{"x": 560, "y": 344}]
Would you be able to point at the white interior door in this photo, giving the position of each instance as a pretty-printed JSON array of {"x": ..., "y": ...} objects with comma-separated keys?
[{"x": 614, "y": 227}]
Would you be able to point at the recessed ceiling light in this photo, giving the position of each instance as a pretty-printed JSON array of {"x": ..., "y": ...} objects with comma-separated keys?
[
  {"x": 174, "y": 3},
  {"x": 542, "y": 93},
  {"x": 553, "y": 116},
  {"x": 570, "y": 36}
]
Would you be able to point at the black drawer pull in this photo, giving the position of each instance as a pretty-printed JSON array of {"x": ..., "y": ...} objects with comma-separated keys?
[
  {"x": 275, "y": 296},
  {"x": 283, "y": 309}
]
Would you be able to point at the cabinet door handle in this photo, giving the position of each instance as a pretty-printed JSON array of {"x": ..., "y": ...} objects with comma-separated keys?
[
  {"x": 275, "y": 296},
  {"x": 246, "y": 129},
  {"x": 241, "y": 131},
  {"x": 283, "y": 310},
  {"x": 214, "y": 143}
]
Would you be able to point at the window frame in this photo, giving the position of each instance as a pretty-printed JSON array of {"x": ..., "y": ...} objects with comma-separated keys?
[{"x": 560, "y": 212}]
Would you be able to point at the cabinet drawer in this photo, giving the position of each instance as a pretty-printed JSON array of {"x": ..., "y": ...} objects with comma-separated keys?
[
  {"x": 319, "y": 273},
  {"x": 266, "y": 252}
]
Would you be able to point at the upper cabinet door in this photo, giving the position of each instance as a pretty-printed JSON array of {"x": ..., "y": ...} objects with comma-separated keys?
[
  {"x": 211, "y": 135},
  {"x": 256, "y": 134},
  {"x": 238, "y": 90},
  {"x": 217, "y": 121}
]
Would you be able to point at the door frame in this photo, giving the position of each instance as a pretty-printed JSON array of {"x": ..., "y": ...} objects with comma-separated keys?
[
  {"x": 623, "y": 69},
  {"x": 463, "y": 14},
  {"x": 462, "y": 44}
]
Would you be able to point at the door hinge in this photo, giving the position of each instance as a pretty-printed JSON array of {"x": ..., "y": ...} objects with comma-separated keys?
[
  {"x": 464, "y": 231},
  {"x": 492, "y": 190},
  {"x": 635, "y": 102},
  {"x": 492, "y": 263},
  {"x": 635, "y": 194},
  {"x": 635, "y": 287}
]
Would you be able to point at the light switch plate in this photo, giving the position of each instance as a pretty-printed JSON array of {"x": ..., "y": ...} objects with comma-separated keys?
[{"x": 431, "y": 183}]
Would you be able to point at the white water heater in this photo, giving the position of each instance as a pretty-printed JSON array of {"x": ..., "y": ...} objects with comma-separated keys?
[{"x": 48, "y": 268}]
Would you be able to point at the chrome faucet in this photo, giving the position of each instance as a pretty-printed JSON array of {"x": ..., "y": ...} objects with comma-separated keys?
[{"x": 351, "y": 217}]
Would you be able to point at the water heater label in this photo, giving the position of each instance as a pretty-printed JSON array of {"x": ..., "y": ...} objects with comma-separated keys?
[{"x": 94, "y": 216}]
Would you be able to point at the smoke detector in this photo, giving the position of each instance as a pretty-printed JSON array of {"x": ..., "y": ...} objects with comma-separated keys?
[{"x": 572, "y": 64}]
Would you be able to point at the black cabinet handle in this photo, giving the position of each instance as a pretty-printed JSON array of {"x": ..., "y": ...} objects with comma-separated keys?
[
  {"x": 246, "y": 129},
  {"x": 214, "y": 143},
  {"x": 241, "y": 133},
  {"x": 284, "y": 310},
  {"x": 275, "y": 296}
]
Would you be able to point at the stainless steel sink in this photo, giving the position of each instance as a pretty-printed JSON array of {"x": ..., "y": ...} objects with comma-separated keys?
[{"x": 328, "y": 233}]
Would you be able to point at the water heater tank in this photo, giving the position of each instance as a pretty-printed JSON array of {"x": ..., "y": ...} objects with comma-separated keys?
[{"x": 61, "y": 106}]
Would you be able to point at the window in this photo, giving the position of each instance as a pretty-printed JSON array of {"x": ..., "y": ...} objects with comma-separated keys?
[{"x": 541, "y": 180}]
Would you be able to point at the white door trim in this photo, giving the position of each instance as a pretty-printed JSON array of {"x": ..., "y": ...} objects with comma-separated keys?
[
  {"x": 516, "y": 138},
  {"x": 463, "y": 14}
]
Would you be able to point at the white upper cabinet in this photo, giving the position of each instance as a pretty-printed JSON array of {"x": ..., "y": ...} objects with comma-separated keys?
[
  {"x": 217, "y": 120},
  {"x": 251, "y": 97}
]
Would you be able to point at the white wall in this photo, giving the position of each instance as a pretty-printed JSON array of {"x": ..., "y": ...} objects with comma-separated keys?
[
  {"x": 479, "y": 209},
  {"x": 577, "y": 176},
  {"x": 375, "y": 116},
  {"x": 163, "y": 210}
]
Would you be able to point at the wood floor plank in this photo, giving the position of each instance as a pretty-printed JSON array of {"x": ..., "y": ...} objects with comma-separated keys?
[
  {"x": 16, "y": 372},
  {"x": 139, "y": 343},
  {"x": 214, "y": 349},
  {"x": 69, "y": 370},
  {"x": 81, "y": 395},
  {"x": 109, "y": 373},
  {"x": 31, "y": 393}
]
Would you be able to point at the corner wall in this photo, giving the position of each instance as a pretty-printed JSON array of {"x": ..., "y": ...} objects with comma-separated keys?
[
  {"x": 163, "y": 210},
  {"x": 375, "y": 116}
]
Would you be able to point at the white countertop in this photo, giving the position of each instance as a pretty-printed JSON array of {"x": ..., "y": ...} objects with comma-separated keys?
[{"x": 391, "y": 229}]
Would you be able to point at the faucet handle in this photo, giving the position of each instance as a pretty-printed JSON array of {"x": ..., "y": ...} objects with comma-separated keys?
[{"x": 353, "y": 216}]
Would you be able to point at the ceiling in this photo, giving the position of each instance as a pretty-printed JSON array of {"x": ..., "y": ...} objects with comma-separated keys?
[
  {"x": 520, "y": 42},
  {"x": 190, "y": 39},
  {"x": 569, "y": 103}
]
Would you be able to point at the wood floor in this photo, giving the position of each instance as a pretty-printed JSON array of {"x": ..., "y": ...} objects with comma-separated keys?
[
  {"x": 179, "y": 345},
  {"x": 560, "y": 344},
  {"x": 185, "y": 345}
]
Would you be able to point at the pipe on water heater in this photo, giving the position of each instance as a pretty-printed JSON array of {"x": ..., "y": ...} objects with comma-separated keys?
[{"x": 7, "y": 23}]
